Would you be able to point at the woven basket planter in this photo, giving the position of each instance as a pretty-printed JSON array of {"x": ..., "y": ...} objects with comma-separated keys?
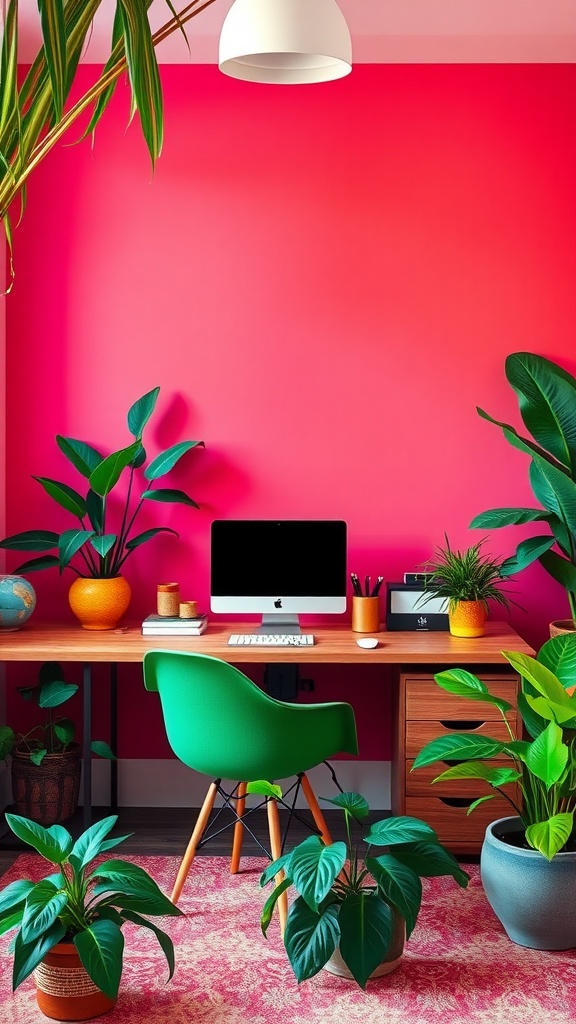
[{"x": 48, "y": 792}]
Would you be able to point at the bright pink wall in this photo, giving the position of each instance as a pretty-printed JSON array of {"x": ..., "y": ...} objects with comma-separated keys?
[{"x": 325, "y": 282}]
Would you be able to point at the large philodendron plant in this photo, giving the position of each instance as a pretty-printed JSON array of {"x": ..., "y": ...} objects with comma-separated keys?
[
  {"x": 547, "y": 402},
  {"x": 35, "y": 113}
]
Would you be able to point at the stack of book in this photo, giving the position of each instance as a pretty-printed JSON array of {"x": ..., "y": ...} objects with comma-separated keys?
[{"x": 167, "y": 625}]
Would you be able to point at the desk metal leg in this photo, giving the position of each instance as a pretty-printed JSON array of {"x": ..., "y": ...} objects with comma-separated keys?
[
  {"x": 87, "y": 745},
  {"x": 114, "y": 735}
]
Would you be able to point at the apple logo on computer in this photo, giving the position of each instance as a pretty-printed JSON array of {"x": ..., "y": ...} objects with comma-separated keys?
[{"x": 278, "y": 602}]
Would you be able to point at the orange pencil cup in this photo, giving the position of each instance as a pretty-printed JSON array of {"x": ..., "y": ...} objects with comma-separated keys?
[{"x": 365, "y": 614}]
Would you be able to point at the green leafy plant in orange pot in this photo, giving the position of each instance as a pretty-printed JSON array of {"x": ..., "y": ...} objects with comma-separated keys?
[{"x": 100, "y": 595}]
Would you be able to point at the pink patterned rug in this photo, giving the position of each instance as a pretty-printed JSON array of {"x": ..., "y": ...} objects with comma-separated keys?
[{"x": 458, "y": 968}]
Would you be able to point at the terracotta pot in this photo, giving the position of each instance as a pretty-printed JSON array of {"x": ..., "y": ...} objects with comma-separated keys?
[
  {"x": 46, "y": 792},
  {"x": 560, "y": 626},
  {"x": 467, "y": 618},
  {"x": 64, "y": 991},
  {"x": 99, "y": 603}
]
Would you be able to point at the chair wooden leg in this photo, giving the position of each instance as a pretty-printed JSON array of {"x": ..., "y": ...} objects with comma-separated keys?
[
  {"x": 238, "y": 829},
  {"x": 276, "y": 851},
  {"x": 315, "y": 808},
  {"x": 195, "y": 838}
]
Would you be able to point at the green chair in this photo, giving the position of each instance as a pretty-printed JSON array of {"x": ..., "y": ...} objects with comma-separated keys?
[{"x": 220, "y": 723}]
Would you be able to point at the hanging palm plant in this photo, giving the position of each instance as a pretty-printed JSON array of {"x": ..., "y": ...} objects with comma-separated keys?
[{"x": 34, "y": 115}]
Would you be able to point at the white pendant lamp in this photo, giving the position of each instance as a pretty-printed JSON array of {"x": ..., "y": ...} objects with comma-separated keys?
[{"x": 286, "y": 42}]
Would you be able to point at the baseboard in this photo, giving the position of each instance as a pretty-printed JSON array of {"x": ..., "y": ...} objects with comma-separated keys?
[{"x": 169, "y": 783}]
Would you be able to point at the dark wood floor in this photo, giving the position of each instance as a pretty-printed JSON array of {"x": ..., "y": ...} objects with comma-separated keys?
[{"x": 166, "y": 830}]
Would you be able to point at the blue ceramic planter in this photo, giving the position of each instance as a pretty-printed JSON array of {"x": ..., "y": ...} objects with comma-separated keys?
[{"x": 535, "y": 899}]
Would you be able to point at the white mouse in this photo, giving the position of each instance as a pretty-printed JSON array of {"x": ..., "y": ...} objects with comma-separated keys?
[{"x": 367, "y": 642}]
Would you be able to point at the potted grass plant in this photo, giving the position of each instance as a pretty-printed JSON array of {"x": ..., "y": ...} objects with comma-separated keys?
[
  {"x": 68, "y": 926},
  {"x": 547, "y": 403},
  {"x": 354, "y": 908},
  {"x": 466, "y": 580},
  {"x": 46, "y": 759},
  {"x": 528, "y": 861},
  {"x": 94, "y": 549}
]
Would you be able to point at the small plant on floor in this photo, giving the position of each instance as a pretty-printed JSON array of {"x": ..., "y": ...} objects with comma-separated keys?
[
  {"x": 55, "y": 733},
  {"x": 80, "y": 903},
  {"x": 349, "y": 902}
]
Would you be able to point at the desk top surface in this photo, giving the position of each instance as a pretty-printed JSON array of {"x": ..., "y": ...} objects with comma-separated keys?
[{"x": 334, "y": 644}]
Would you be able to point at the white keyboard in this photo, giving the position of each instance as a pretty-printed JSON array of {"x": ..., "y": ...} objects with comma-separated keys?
[{"x": 271, "y": 640}]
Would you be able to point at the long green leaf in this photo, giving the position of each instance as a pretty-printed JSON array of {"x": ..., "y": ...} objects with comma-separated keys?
[
  {"x": 70, "y": 543},
  {"x": 27, "y": 955},
  {"x": 403, "y": 829},
  {"x": 551, "y": 835},
  {"x": 101, "y": 948},
  {"x": 494, "y": 518},
  {"x": 399, "y": 886},
  {"x": 355, "y": 804},
  {"x": 310, "y": 938},
  {"x": 65, "y": 496},
  {"x": 548, "y": 755},
  {"x": 458, "y": 747},
  {"x": 89, "y": 844},
  {"x": 166, "y": 461},
  {"x": 164, "y": 940},
  {"x": 147, "y": 535},
  {"x": 9, "y": 105},
  {"x": 140, "y": 412},
  {"x": 107, "y": 474},
  {"x": 547, "y": 398},
  {"x": 14, "y": 894},
  {"x": 314, "y": 867},
  {"x": 83, "y": 456},
  {"x": 170, "y": 495},
  {"x": 555, "y": 490},
  {"x": 528, "y": 551},
  {"x": 431, "y": 859},
  {"x": 365, "y": 933},
  {"x": 35, "y": 564},
  {"x": 56, "y": 692},
  {"x": 44, "y": 904},
  {"x": 143, "y": 73},
  {"x": 462, "y": 683},
  {"x": 37, "y": 837},
  {"x": 541, "y": 678},
  {"x": 31, "y": 540},
  {"x": 559, "y": 655},
  {"x": 54, "y": 38}
]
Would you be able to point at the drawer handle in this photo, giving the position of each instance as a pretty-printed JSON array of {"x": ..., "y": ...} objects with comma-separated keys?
[
  {"x": 456, "y": 801},
  {"x": 461, "y": 725}
]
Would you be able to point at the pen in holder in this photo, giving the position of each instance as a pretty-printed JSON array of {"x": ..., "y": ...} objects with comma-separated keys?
[{"x": 365, "y": 614}]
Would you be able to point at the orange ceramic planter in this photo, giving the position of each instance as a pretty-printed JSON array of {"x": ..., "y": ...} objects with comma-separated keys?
[
  {"x": 467, "y": 618},
  {"x": 64, "y": 991},
  {"x": 99, "y": 603}
]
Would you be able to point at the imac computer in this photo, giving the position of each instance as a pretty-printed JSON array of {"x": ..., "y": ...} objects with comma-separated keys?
[{"x": 279, "y": 569}]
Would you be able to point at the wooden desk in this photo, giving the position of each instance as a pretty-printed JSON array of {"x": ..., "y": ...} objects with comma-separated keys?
[{"x": 334, "y": 645}]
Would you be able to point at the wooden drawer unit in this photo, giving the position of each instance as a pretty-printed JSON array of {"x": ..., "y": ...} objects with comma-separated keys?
[{"x": 424, "y": 711}]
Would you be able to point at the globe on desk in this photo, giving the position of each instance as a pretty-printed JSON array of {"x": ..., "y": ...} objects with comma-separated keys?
[{"x": 17, "y": 602}]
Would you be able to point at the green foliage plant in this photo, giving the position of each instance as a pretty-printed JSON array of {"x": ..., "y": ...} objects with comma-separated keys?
[
  {"x": 547, "y": 403},
  {"x": 544, "y": 766},
  {"x": 469, "y": 575},
  {"x": 54, "y": 735},
  {"x": 345, "y": 900},
  {"x": 100, "y": 552},
  {"x": 80, "y": 903},
  {"x": 35, "y": 113}
]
